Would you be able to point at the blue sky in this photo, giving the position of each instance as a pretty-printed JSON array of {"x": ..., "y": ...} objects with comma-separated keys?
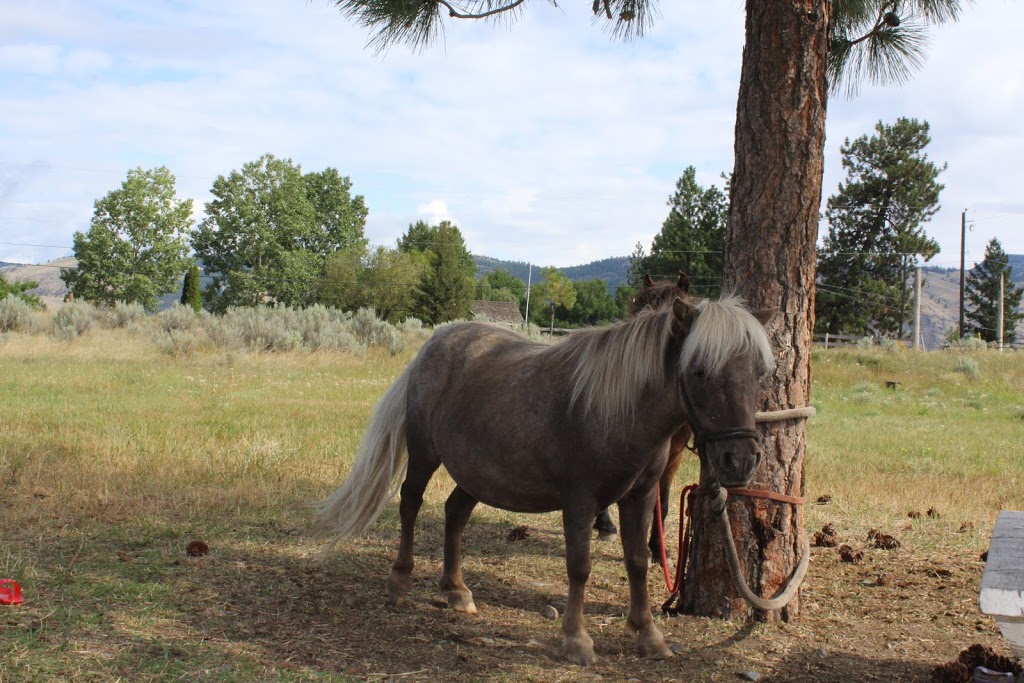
[{"x": 544, "y": 141}]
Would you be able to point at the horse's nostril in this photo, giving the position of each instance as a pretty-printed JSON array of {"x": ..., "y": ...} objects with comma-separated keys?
[
  {"x": 757, "y": 458},
  {"x": 729, "y": 459}
]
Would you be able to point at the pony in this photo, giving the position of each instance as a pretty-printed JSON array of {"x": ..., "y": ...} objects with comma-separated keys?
[
  {"x": 576, "y": 426},
  {"x": 654, "y": 295}
]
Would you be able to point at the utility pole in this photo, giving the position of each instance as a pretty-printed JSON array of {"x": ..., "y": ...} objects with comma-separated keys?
[
  {"x": 999, "y": 318},
  {"x": 529, "y": 281},
  {"x": 963, "y": 241},
  {"x": 917, "y": 309}
]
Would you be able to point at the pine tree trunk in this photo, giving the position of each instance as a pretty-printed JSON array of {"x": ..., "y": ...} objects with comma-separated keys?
[{"x": 770, "y": 261}]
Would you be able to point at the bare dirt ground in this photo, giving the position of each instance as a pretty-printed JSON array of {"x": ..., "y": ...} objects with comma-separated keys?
[{"x": 892, "y": 617}]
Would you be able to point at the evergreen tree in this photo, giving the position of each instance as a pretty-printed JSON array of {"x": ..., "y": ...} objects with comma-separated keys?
[
  {"x": 692, "y": 238},
  {"x": 876, "y": 233},
  {"x": 446, "y": 284},
  {"x": 982, "y": 292},
  {"x": 635, "y": 274},
  {"x": 190, "y": 293}
]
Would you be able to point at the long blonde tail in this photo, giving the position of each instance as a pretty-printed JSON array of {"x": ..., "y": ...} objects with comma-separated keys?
[{"x": 380, "y": 467}]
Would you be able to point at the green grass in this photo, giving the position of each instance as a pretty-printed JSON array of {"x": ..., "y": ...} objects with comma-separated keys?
[
  {"x": 939, "y": 439},
  {"x": 114, "y": 456}
]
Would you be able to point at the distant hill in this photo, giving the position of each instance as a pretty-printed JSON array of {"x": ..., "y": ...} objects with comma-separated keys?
[
  {"x": 51, "y": 288},
  {"x": 1016, "y": 262},
  {"x": 612, "y": 270}
]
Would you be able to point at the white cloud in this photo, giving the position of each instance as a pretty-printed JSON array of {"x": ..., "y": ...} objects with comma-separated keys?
[
  {"x": 550, "y": 143},
  {"x": 434, "y": 212}
]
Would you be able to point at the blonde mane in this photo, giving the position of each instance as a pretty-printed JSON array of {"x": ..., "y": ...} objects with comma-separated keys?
[
  {"x": 613, "y": 366},
  {"x": 722, "y": 330}
]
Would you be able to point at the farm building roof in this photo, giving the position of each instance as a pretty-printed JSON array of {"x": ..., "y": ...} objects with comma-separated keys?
[{"x": 497, "y": 311}]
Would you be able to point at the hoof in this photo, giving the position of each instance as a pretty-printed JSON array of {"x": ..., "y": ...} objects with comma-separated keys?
[
  {"x": 606, "y": 535},
  {"x": 662, "y": 651},
  {"x": 397, "y": 587},
  {"x": 652, "y": 644},
  {"x": 462, "y": 601},
  {"x": 580, "y": 649}
]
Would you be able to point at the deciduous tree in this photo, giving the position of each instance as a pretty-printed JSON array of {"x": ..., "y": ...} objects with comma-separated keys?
[
  {"x": 18, "y": 289},
  {"x": 554, "y": 289},
  {"x": 137, "y": 243},
  {"x": 380, "y": 278},
  {"x": 269, "y": 230},
  {"x": 594, "y": 304},
  {"x": 501, "y": 285}
]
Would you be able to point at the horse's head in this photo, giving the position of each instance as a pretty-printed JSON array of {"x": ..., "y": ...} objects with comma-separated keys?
[
  {"x": 656, "y": 294},
  {"x": 724, "y": 354}
]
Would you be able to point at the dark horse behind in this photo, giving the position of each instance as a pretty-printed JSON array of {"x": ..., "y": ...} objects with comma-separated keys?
[
  {"x": 574, "y": 427},
  {"x": 653, "y": 295}
]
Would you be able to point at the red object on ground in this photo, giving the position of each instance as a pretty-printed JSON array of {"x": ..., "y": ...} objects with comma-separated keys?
[{"x": 10, "y": 592}]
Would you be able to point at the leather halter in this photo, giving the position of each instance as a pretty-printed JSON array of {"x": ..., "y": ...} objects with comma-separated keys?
[{"x": 700, "y": 440}]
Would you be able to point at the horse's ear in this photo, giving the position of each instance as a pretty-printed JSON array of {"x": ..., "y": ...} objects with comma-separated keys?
[
  {"x": 684, "y": 314},
  {"x": 648, "y": 282},
  {"x": 684, "y": 283},
  {"x": 765, "y": 315}
]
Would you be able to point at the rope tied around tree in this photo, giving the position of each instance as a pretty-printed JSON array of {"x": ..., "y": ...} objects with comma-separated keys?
[{"x": 718, "y": 509}]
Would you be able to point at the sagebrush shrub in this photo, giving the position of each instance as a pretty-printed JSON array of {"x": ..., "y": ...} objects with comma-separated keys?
[
  {"x": 124, "y": 314},
  {"x": 967, "y": 366},
  {"x": 260, "y": 328},
  {"x": 15, "y": 314},
  {"x": 328, "y": 329},
  {"x": 177, "y": 342},
  {"x": 74, "y": 319},
  {"x": 178, "y": 317}
]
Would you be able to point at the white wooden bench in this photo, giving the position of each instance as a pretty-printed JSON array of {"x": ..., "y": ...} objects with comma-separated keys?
[{"x": 1002, "y": 584}]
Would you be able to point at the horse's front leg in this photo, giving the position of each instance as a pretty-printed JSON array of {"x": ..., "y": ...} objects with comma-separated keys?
[
  {"x": 457, "y": 510},
  {"x": 579, "y": 647},
  {"x": 635, "y": 514}
]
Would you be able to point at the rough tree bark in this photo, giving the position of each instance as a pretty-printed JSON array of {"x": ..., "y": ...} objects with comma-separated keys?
[{"x": 770, "y": 261}]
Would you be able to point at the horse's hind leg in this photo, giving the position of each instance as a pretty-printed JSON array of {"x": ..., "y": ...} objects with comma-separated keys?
[
  {"x": 605, "y": 526},
  {"x": 634, "y": 519},
  {"x": 457, "y": 510},
  {"x": 417, "y": 476}
]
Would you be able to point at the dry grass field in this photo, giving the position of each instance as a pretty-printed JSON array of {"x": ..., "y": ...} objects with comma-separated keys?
[{"x": 114, "y": 457}]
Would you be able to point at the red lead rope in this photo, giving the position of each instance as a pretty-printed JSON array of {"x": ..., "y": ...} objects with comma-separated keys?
[
  {"x": 684, "y": 539},
  {"x": 675, "y": 587}
]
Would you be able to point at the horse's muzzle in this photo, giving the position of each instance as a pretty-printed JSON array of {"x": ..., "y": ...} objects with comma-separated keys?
[{"x": 733, "y": 456}]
